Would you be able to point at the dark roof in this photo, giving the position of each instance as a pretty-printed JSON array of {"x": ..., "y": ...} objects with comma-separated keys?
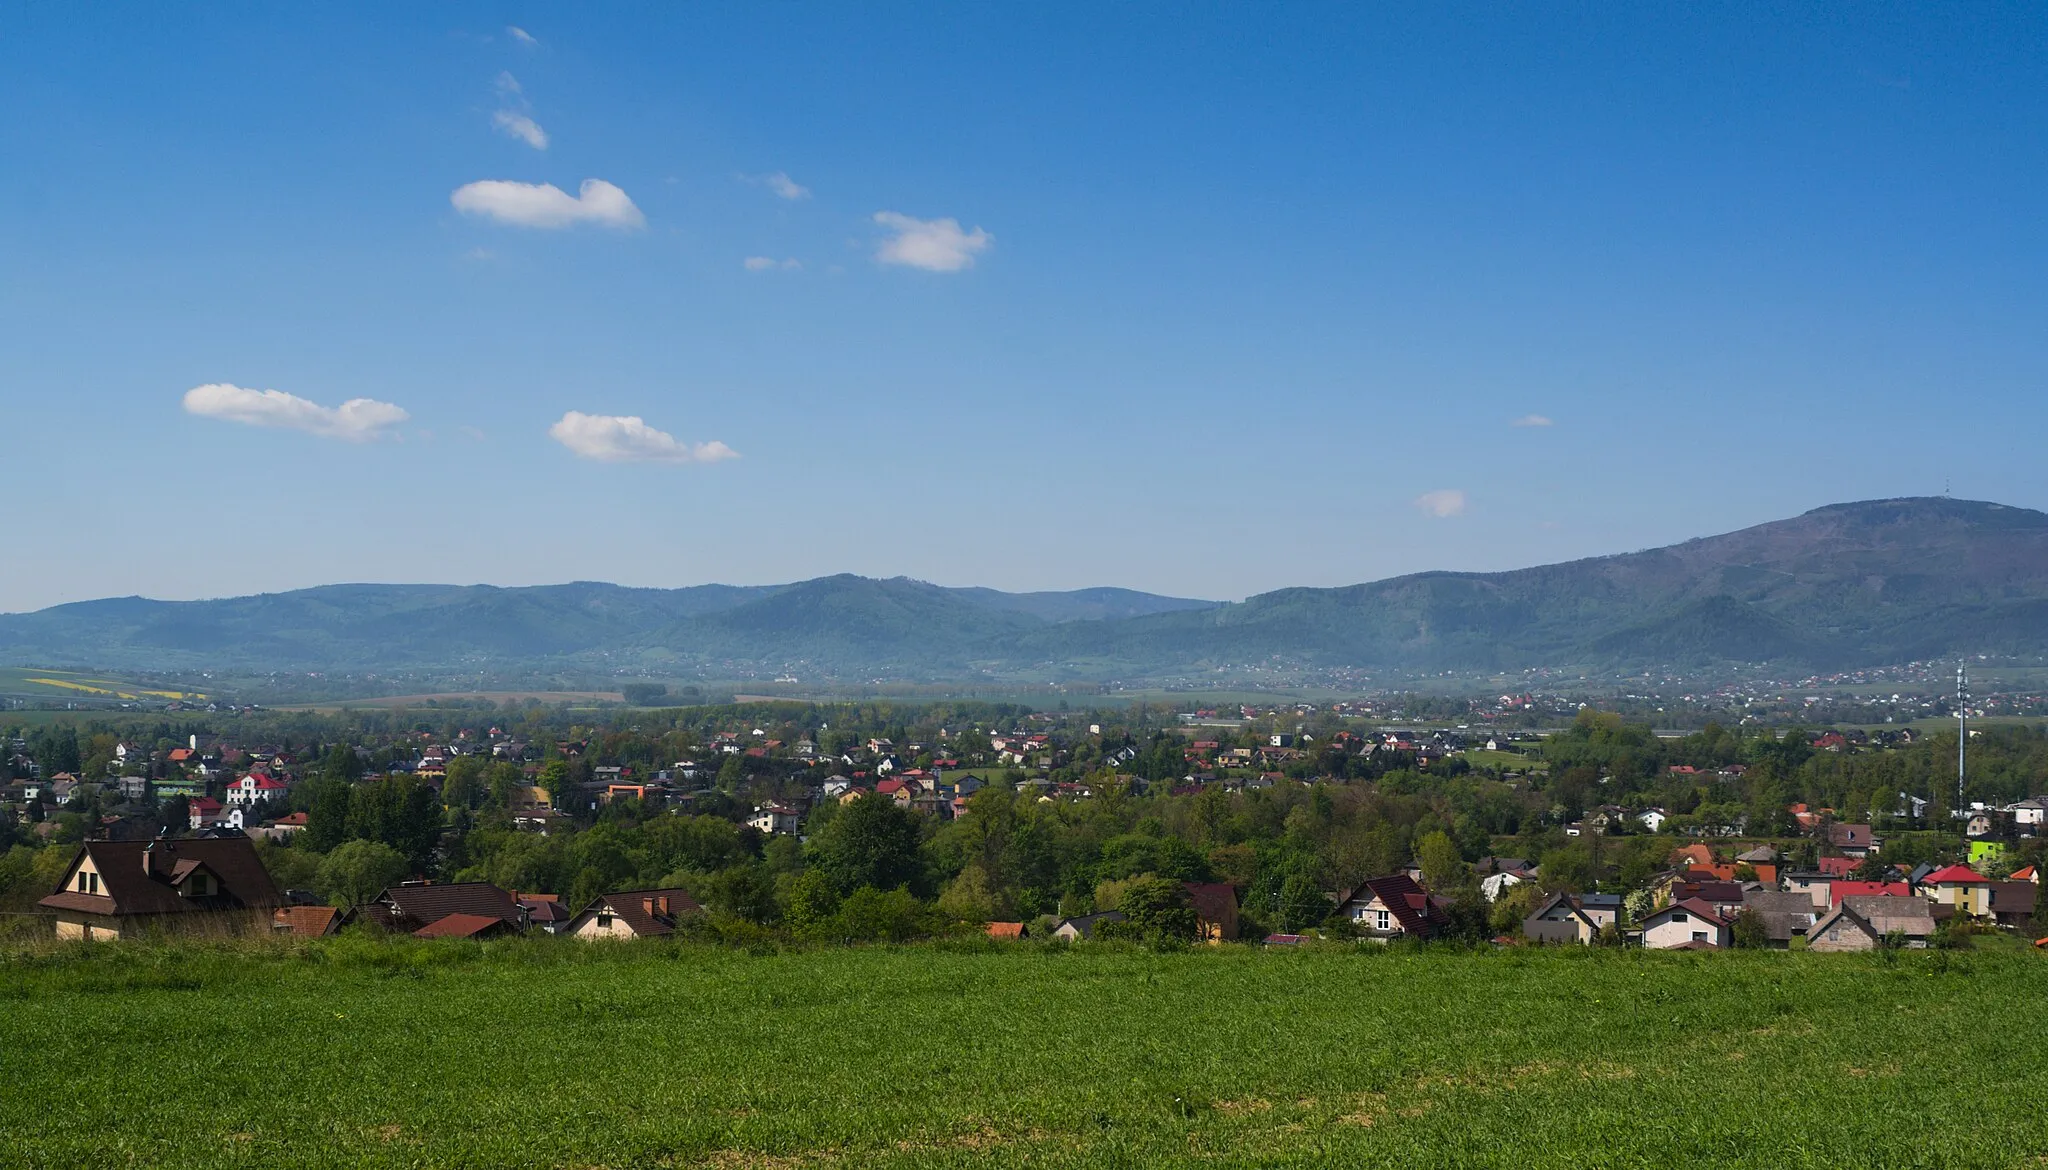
[
  {"x": 1885, "y": 912},
  {"x": 1720, "y": 893},
  {"x": 410, "y": 907},
  {"x": 1600, "y": 901},
  {"x": 1085, "y": 924},
  {"x": 1784, "y": 914},
  {"x": 2012, "y": 897},
  {"x": 139, "y": 877},
  {"x": 1212, "y": 901},
  {"x": 646, "y": 912},
  {"x": 1414, "y": 909}
]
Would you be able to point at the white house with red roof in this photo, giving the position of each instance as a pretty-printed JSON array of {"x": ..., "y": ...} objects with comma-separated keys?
[{"x": 257, "y": 786}]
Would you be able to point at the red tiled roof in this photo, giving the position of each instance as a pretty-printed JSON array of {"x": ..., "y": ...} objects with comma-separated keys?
[
  {"x": 1006, "y": 930},
  {"x": 1840, "y": 890},
  {"x": 1953, "y": 874},
  {"x": 306, "y": 921},
  {"x": 1837, "y": 866},
  {"x": 460, "y": 926}
]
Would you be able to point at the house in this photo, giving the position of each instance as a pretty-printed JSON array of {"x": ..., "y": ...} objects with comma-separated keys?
[
  {"x": 1007, "y": 931},
  {"x": 257, "y": 786},
  {"x": 1840, "y": 889},
  {"x": 305, "y": 921},
  {"x": 1760, "y": 856},
  {"x": 1493, "y": 885},
  {"x": 1565, "y": 918},
  {"x": 1853, "y": 840},
  {"x": 414, "y": 905},
  {"x": 2031, "y": 812},
  {"x": 204, "y": 810},
  {"x": 1786, "y": 914},
  {"x": 1215, "y": 906},
  {"x": 120, "y": 889},
  {"x": 1083, "y": 926},
  {"x": 1653, "y": 819},
  {"x": 1977, "y": 824},
  {"x": 2027, "y": 873},
  {"x": 633, "y": 914},
  {"x": 1961, "y": 887},
  {"x": 1692, "y": 857},
  {"x": 544, "y": 912},
  {"x": 1861, "y": 923},
  {"x": 1725, "y": 897},
  {"x": 1392, "y": 907},
  {"x": 1690, "y": 923},
  {"x": 2012, "y": 903},
  {"x": 775, "y": 818}
]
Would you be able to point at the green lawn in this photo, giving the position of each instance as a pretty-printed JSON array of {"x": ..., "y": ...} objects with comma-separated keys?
[{"x": 362, "y": 1055}]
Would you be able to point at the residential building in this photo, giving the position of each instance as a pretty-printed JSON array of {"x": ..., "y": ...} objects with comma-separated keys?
[
  {"x": 1961, "y": 887},
  {"x": 1392, "y": 907},
  {"x": 1082, "y": 926},
  {"x": 121, "y": 889},
  {"x": 1565, "y": 918},
  {"x": 1786, "y": 914},
  {"x": 1862, "y": 923},
  {"x": 1690, "y": 923},
  {"x": 416, "y": 905},
  {"x": 631, "y": 914},
  {"x": 1215, "y": 906}
]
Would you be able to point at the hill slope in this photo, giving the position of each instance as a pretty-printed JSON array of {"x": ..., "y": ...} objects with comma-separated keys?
[{"x": 1852, "y": 584}]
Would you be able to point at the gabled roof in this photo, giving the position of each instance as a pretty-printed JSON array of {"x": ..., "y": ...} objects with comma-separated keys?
[
  {"x": 647, "y": 913},
  {"x": 1212, "y": 901},
  {"x": 1410, "y": 905},
  {"x": 1837, "y": 866},
  {"x": 1085, "y": 924},
  {"x": 1842, "y": 915},
  {"x": 1006, "y": 930},
  {"x": 306, "y": 921},
  {"x": 1691, "y": 906},
  {"x": 411, "y": 907},
  {"x": 1840, "y": 890},
  {"x": 1954, "y": 875},
  {"x": 462, "y": 926},
  {"x": 140, "y": 877}
]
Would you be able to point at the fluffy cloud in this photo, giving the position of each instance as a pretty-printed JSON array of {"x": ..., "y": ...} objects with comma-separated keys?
[
  {"x": 517, "y": 125},
  {"x": 508, "y": 85},
  {"x": 786, "y": 187},
  {"x": 357, "y": 420},
  {"x": 628, "y": 439},
  {"x": 1441, "y": 503},
  {"x": 521, "y": 35},
  {"x": 769, "y": 263},
  {"x": 1531, "y": 420},
  {"x": 544, "y": 205},
  {"x": 935, "y": 245}
]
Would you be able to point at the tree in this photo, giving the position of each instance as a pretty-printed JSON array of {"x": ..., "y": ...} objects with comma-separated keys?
[
  {"x": 644, "y": 694},
  {"x": 327, "y": 803},
  {"x": 1749, "y": 931},
  {"x": 1157, "y": 907},
  {"x": 1513, "y": 907},
  {"x": 873, "y": 915},
  {"x": 870, "y": 842},
  {"x": 1302, "y": 903},
  {"x": 813, "y": 909},
  {"x": 1443, "y": 867},
  {"x": 1568, "y": 869},
  {"x": 967, "y": 896},
  {"x": 358, "y": 871}
]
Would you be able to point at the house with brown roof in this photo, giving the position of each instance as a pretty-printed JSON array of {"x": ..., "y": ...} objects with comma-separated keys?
[
  {"x": 121, "y": 889},
  {"x": 1007, "y": 930},
  {"x": 2012, "y": 903},
  {"x": 1215, "y": 906},
  {"x": 410, "y": 907},
  {"x": 465, "y": 926},
  {"x": 1568, "y": 918},
  {"x": 633, "y": 914},
  {"x": 1387, "y": 908},
  {"x": 306, "y": 921},
  {"x": 1785, "y": 915}
]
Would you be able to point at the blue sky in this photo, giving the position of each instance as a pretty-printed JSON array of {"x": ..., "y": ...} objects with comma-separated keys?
[{"x": 1205, "y": 300}]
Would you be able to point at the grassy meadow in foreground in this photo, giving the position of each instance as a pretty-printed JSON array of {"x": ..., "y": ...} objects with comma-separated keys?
[{"x": 534, "y": 1053}]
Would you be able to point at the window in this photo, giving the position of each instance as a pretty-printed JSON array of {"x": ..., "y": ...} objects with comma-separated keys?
[
  {"x": 1699, "y": 936},
  {"x": 95, "y": 880},
  {"x": 1679, "y": 916},
  {"x": 604, "y": 920},
  {"x": 1381, "y": 916}
]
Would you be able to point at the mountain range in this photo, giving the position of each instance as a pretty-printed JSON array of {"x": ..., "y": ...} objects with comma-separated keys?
[{"x": 1859, "y": 584}]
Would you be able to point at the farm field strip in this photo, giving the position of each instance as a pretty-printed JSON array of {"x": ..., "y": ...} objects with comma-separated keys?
[{"x": 521, "y": 1055}]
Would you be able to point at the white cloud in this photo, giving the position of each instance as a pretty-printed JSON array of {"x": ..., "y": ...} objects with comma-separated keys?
[
  {"x": 544, "y": 205},
  {"x": 1531, "y": 420},
  {"x": 767, "y": 263},
  {"x": 628, "y": 439},
  {"x": 786, "y": 187},
  {"x": 935, "y": 245},
  {"x": 357, "y": 420},
  {"x": 508, "y": 85},
  {"x": 517, "y": 125},
  {"x": 521, "y": 35},
  {"x": 1441, "y": 503}
]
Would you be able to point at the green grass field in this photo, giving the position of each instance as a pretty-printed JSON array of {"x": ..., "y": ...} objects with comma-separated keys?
[
  {"x": 538, "y": 1054},
  {"x": 28, "y": 683}
]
